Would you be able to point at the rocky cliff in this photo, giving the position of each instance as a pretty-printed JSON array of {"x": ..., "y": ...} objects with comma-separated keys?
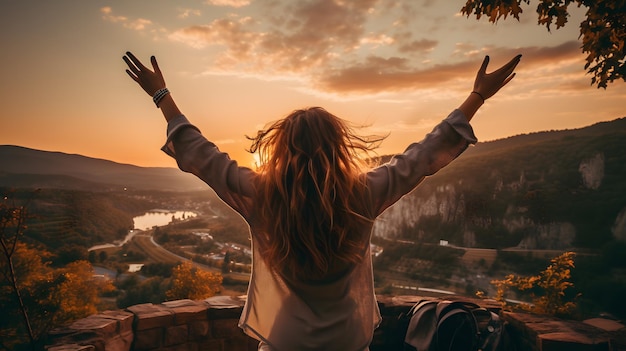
[{"x": 553, "y": 190}]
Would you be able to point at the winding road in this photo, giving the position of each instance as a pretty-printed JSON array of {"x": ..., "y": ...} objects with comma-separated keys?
[{"x": 157, "y": 253}]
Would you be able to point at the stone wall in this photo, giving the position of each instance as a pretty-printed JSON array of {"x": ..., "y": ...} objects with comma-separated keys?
[{"x": 211, "y": 325}]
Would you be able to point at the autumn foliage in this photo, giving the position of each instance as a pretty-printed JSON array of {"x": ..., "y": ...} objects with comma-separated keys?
[
  {"x": 35, "y": 296},
  {"x": 189, "y": 282},
  {"x": 52, "y": 296},
  {"x": 547, "y": 289},
  {"x": 603, "y": 31}
]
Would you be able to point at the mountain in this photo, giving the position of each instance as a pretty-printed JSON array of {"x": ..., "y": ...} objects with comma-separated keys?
[
  {"x": 548, "y": 190},
  {"x": 23, "y": 167}
]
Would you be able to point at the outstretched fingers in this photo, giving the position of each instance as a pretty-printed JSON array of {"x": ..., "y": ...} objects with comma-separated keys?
[
  {"x": 134, "y": 66},
  {"x": 135, "y": 61},
  {"x": 483, "y": 67},
  {"x": 509, "y": 66},
  {"x": 509, "y": 78},
  {"x": 155, "y": 65}
]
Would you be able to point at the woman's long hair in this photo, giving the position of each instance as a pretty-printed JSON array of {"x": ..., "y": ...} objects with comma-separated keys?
[{"x": 310, "y": 187}]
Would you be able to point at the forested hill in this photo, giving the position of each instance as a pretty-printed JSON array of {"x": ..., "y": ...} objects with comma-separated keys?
[
  {"x": 548, "y": 190},
  {"x": 615, "y": 127},
  {"x": 28, "y": 168}
]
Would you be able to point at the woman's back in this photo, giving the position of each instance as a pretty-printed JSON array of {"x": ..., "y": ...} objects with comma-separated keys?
[{"x": 310, "y": 189}]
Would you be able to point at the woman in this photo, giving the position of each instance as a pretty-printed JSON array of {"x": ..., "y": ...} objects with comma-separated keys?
[{"x": 310, "y": 207}]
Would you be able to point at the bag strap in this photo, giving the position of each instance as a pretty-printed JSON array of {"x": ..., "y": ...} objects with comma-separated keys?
[
  {"x": 461, "y": 317},
  {"x": 422, "y": 326}
]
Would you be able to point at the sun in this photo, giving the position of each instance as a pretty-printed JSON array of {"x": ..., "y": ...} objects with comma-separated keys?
[{"x": 256, "y": 161}]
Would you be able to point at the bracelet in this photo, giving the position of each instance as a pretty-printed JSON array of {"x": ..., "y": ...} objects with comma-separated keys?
[
  {"x": 159, "y": 95},
  {"x": 479, "y": 94}
]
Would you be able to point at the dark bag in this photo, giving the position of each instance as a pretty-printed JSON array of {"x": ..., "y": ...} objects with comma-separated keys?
[{"x": 452, "y": 326}]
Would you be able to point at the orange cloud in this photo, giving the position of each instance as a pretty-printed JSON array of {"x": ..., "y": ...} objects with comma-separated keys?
[
  {"x": 298, "y": 36},
  {"x": 185, "y": 12},
  {"x": 107, "y": 15},
  {"x": 379, "y": 75},
  {"x": 332, "y": 45},
  {"x": 540, "y": 55},
  {"x": 136, "y": 24},
  {"x": 376, "y": 74},
  {"x": 419, "y": 46},
  {"x": 230, "y": 3}
]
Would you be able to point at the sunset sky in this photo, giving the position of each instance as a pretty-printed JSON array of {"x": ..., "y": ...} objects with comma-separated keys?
[{"x": 398, "y": 67}]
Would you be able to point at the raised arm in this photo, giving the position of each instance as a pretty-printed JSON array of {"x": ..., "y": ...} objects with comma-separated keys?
[
  {"x": 487, "y": 84},
  {"x": 152, "y": 82}
]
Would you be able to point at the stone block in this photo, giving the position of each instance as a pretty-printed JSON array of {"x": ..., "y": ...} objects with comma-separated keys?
[
  {"x": 605, "y": 324},
  {"x": 530, "y": 326},
  {"x": 184, "y": 347},
  {"x": 125, "y": 319},
  {"x": 84, "y": 337},
  {"x": 176, "y": 335},
  {"x": 571, "y": 341},
  {"x": 121, "y": 342},
  {"x": 71, "y": 347},
  {"x": 149, "y": 316},
  {"x": 224, "y": 301},
  {"x": 515, "y": 338},
  {"x": 224, "y": 307},
  {"x": 225, "y": 328},
  {"x": 253, "y": 344},
  {"x": 187, "y": 310},
  {"x": 225, "y": 313},
  {"x": 179, "y": 303},
  {"x": 61, "y": 336},
  {"x": 239, "y": 343},
  {"x": 148, "y": 339},
  {"x": 199, "y": 330},
  {"x": 550, "y": 333},
  {"x": 212, "y": 345},
  {"x": 60, "y": 332},
  {"x": 96, "y": 323}
]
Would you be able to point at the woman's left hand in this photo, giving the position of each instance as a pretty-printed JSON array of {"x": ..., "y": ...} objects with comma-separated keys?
[
  {"x": 487, "y": 84},
  {"x": 150, "y": 81}
]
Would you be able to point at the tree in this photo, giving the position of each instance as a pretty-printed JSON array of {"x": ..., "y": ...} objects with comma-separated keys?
[
  {"x": 103, "y": 256},
  {"x": 92, "y": 256},
  {"x": 51, "y": 297},
  {"x": 135, "y": 292},
  {"x": 226, "y": 263},
  {"x": 70, "y": 253},
  {"x": 189, "y": 282},
  {"x": 12, "y": 226},
  {"x": 35, "y": 297},
  {"x": 603, "y": 31},
  {"x": 548, "y": 288},
  {"x": 76, "y": 292},
  {"x": 162, "y": 269}
]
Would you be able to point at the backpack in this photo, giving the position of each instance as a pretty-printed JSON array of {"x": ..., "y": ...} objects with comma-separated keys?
[{"x": 452, "y": 326}]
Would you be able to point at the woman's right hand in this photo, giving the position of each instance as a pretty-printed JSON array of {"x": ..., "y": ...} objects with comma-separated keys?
[
  {"x": 487, "y": 84},
  {"x": 150, "y": 81}
]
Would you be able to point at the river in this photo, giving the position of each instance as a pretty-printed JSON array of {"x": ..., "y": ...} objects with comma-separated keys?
[
  {"x": 147, "y": 221},
  {"x": 159, "y": 218}
]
